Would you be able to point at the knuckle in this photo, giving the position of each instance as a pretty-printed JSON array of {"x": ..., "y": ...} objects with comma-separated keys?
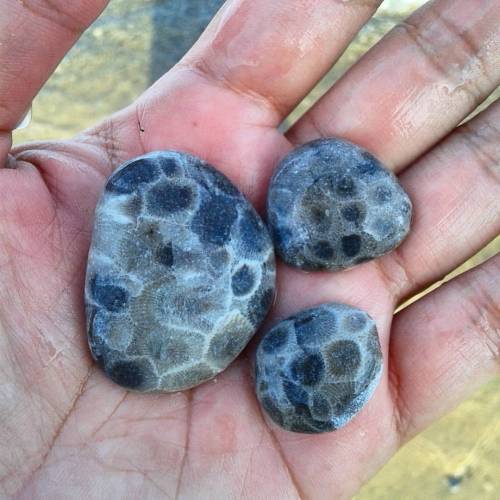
[
  {"x": 62, "y": 14},
  {"x": 401, "y": 416},
  {"x": 484, "y": 143},
  {"x": 432, "y": 34},
  {"x": 485, "y": 313},
  {"x": 215, "y": 76},
  {"x": 395, "y": 274}
]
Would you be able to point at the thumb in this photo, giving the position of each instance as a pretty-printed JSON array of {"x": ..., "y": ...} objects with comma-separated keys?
[{"x": 34, "y": 36}]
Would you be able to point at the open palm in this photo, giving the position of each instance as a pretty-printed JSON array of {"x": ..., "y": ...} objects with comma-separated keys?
[{"x": 67, "y": 432}]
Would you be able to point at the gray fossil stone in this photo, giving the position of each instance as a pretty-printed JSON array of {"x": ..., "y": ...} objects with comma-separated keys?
[
  {"x": 318, "y": 368},
  {"x": 180, "y": 273},
  {"x": 332, "y": 205}
]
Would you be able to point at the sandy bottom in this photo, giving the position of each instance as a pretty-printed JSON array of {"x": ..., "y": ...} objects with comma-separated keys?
[{"x": 457, "y": 457}]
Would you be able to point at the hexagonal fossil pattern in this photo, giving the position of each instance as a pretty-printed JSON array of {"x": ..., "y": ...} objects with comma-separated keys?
[
  {"x": 318, "y": 368},
  {"x": 332, "y": 205},
  {"x": 180, "y": 273}
]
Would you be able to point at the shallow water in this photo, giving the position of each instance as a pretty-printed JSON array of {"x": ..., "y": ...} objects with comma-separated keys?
[{"x": 130, "y": 46}]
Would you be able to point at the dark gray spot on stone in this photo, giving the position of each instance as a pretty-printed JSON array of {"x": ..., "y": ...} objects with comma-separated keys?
[
  {"x": 406, "y": 208},
  {"x": 260, "y": 304},
  {"x": 135, "y": 375},
  {"x": 355, "y": 322},
  {"x": 314, "y": 327},
  {"x": 308, "y": 370},
  {"x": 353, "y": 212},
  {"x": 132, "y": 176},
  {"x": 275, "y": 340},
  {"x": 272, "y": 410},
  {"x": 369, "y": 165},
  {"x": 385, "y": 227},
  {"x": 214, "y": 220},
  {"x": 225, "y": 346},
  {"x": 315, "y": 205},
  {"x": 346, "y": 187},
  {"x": 323, "y": 250},
  {"x": 168, "y": 198},
  {"x": 242, "y": 281},
  {"x": 343, "y": 394},
  {"x": 165, "y": 255},
  {"x": 351, "y": 245},
  {"x": 111, "y": 297},
  {"x": 169, "y": 167},
  {"x": 302, "y": 319},
  {"x": 295, "y": 394},
  {"x": 254, "y": 237},
  {"x": 320, "y": 407}
]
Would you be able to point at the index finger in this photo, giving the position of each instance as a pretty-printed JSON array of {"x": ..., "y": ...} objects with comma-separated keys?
[{"x": 275, "y": 51}]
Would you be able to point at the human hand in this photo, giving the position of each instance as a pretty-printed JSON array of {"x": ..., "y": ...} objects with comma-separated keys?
[{"x": 67, "y": 431}]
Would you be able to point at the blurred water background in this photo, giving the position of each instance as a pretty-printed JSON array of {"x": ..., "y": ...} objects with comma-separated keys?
[{"x": 134, "y": 43}]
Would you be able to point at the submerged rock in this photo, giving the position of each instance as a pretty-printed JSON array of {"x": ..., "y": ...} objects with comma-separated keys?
[
  {"x": 318, "y": 368},
  {"x": 180, "y": 273},
  {"x": 332, "y": 205}
]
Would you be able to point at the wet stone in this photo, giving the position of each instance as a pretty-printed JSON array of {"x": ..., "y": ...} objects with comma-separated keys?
[
  {"x": 318, "y": 385},
  {"x": 332, "y": 205},
  {"x": 174, "y": 288}
]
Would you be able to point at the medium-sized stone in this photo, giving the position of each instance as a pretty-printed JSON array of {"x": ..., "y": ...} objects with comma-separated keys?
[
  {"x": 332, "y": 205},
  {"x": 180, "y": 273},
  {"x": 318, "y": 368}
]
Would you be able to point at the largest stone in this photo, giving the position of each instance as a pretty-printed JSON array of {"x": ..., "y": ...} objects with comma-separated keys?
[{"x": 180, "y": 273}]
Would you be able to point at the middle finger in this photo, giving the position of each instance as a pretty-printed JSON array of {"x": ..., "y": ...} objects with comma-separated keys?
[{"x": 274, "y": 52}]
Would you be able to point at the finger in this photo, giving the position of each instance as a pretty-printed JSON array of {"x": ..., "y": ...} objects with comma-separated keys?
[
  {"x": 445, "y": 346},
  {"x": 224, "y": 100},
  {"x": 455, "y": 191},
  {"x": 34, "y": 36},
  {"x": 416, "y": 85},
  {"x": 274, "y": 52}
]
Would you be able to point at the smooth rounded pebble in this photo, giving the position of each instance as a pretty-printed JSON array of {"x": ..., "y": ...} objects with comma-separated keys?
[
  {"x": 332, "y": 205},
  {"x": 180, "y": 273},
  {"x": 318, "y": 368}
]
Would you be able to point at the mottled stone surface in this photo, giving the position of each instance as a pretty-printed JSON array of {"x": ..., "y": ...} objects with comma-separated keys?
[
  {"x": 332, "y": 205},
  {"x": 318, "y": 368},
  {"x": 180, "y": 273}
]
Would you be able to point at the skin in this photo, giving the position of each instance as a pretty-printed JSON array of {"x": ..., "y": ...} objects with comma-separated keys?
[{"x": 67, "y": 432}]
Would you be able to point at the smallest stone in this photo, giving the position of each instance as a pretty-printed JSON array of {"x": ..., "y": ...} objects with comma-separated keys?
[{"x": 318, "y": 368}]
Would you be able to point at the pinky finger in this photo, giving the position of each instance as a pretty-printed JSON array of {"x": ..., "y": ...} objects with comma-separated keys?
[{"x": 445, "y": 346}]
